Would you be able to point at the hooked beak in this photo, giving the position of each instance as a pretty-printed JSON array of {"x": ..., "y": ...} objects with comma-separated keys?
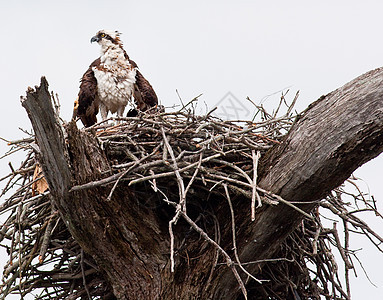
[{"x": 94, "y": 39}]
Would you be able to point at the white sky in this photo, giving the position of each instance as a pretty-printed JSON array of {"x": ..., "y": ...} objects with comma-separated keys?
[{"x": 248, "y": 48}]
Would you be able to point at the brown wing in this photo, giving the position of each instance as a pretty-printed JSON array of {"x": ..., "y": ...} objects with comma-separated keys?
[
  {"x": 87, "y": 108},
  {"x": 144, "y": 94}
]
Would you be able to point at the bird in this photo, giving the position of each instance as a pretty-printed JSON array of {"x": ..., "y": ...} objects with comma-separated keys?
[{"x": 110, "y": 83}]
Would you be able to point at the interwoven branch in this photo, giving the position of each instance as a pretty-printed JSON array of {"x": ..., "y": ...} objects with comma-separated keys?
[{"x": 196, "y": 153}]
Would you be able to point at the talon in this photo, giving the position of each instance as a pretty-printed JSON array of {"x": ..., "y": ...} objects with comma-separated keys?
[
  {"x": 75, "y": 108},
  {"x": 76, "y": 104}
]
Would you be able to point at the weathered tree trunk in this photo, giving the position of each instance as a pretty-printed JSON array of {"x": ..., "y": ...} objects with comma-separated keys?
[
  {"x": 333, "y": 137},
  {"x": 124, "y": 240}
]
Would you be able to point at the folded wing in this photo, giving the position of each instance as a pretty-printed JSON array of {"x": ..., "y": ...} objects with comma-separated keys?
[{"x": 87, "y": 102}]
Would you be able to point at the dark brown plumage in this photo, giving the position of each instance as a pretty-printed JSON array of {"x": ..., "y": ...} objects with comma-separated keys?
[
  {"x": 144, "y": 95},
  {"x": 87, "y": 104}
]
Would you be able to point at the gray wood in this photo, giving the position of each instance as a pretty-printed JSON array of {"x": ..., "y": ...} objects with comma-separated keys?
[{"x": 50, "y": 140}]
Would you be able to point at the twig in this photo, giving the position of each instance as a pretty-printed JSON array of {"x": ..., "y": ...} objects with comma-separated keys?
[
  {"x": 254, "y": 184},
  {"x": 233, "y": 233},
  {"x": 46, "y": 238},
  {"x": 180, "y": 182},
  {"x": 280, "y": 199}
]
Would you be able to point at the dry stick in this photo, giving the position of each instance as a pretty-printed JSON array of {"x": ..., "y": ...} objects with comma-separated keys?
[
  {"x": 234, "y": 238},
  {"x": 254, "y": 184},
  {"x": 175, "y": 218},
  {"x": 182, "y": 202},
  {"x": 180, "y": 182},
  {"x": 187, "y": 104},
  {"x": 179, "y": 206},
  {"x": 280, "y": 199},
  {"x": 4, "y": 208},
  {"x": 17, "y": 142},
  {"x": 122, "y": 174},
  {"x": 25, "y": 186},
  {"x": 364, "y": 271},
  {"x": 144, "y": 166},
  {"x": 153, "y": 181},
  {"x": 194, "y": 174},
  {"x": 354, "y": 221},
  {"x": 268, "y": 260},
  {"x": 13, "y": 151},
  {"x": 20, "y": 217},
  {"x": 171, "y": 222},
  {"x": 346, "y": 248},
  {"x": 330, "y": 275},
  {"x": 315, "y": 241},
  {"x": 233, "y": 166},
  {"x": 177, "y": 215},
  {"x": 292, "y": 104},
  {"x": 280, "y": 103},
  {"x": 8, "y": 285},
  {"x": 340, "y": 248},
  {"x": 96, "y": 183},
  {"x": 46, "y": 238},
  {"x": 373, "y": 208}
]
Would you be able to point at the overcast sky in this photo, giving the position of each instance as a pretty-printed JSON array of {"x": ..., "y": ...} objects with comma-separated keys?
[{"x": 248, "y": 48}]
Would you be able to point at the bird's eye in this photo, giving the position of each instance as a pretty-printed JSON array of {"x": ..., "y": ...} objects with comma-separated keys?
[{"x": 102, "y": 35}]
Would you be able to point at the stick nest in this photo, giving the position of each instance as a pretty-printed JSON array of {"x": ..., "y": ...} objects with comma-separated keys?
[{"x": 193, "y": 153}]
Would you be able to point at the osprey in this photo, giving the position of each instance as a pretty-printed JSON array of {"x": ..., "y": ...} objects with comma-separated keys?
[{"x": 110, "y": 83}]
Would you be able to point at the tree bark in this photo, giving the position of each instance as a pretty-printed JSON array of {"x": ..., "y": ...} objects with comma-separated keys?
[{"x": 333, "y": 137}]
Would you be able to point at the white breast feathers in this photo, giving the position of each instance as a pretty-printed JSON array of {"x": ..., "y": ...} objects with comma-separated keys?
[{"x": 115, "y": 82}]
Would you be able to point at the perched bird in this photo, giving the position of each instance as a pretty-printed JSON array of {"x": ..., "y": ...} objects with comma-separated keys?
[{"x": 110, "y": 83}]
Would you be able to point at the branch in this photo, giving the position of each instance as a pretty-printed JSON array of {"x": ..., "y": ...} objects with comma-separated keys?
[{"x": 333, "y": 137}]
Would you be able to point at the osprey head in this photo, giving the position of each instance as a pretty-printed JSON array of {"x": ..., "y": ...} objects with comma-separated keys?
[{"x": 106, "y": 37}]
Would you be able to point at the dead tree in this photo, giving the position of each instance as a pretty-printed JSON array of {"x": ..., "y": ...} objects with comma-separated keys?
[{"x": 201, "y": 215}]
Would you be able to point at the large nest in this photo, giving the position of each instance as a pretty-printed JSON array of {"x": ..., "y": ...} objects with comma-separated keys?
[{"x": 150, "y": 153}]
